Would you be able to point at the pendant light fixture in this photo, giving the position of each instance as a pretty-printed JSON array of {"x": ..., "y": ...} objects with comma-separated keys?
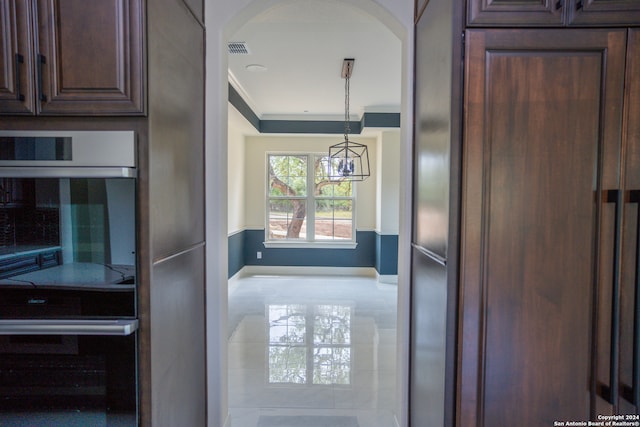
[{"x": 348, "y": 160}]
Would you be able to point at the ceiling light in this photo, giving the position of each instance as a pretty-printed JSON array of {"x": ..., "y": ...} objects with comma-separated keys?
[
  {"x": 256, "y": 68},
  {"x": 348, "y": 160}
]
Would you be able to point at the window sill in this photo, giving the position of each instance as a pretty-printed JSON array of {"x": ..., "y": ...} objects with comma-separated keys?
[{"x": 310, "y": 245}]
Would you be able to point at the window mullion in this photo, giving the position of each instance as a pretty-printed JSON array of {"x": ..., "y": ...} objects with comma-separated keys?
[
  {"x": 310, "y": 342},
  {"x": 311, "y": 204}
]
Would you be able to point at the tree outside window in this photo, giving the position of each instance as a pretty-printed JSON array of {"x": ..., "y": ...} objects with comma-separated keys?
[{"x": 299, "y": 208}]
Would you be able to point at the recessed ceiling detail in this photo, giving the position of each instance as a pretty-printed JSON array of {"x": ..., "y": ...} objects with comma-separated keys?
[
  {"x": 303, "y": 44},
  {"x": 238, "y": 48}
]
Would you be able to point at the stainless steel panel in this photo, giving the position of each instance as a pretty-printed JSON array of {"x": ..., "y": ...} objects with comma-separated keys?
[{"x": 89, "y": 148}]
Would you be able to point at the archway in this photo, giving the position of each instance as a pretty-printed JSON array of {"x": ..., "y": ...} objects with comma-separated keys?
[{"x": 223, "y": 19}]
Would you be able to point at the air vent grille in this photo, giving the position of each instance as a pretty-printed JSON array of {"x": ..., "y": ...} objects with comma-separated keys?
[{"x": 238, "y": 48}]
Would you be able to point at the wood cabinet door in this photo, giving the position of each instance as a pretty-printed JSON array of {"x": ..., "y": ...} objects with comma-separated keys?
[
  {"x": 16, "y": 47},
  {"x": 603, "y": 12},
  {"x": 90, "y": 59},
  {"x": 541, "y": 149},
  {"x": 515, "y": 12},
  {"x": 554, "y": 13},
  {"x": 629, "y": 401}
]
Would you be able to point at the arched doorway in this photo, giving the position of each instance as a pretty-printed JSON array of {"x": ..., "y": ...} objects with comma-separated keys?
[{"x": 223, "y": 20}]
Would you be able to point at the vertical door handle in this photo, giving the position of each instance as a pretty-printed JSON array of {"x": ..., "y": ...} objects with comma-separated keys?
[
  {"x": 42, "y": 61},
  {"x": 632, "y": 393},
  {"x": 19, "y": 60},
  {"x": 610, "y": 392}
]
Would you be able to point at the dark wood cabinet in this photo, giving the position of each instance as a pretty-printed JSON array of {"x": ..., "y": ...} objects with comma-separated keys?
[
  {"x": 72, "y": 57},
  {"x": 553, "y": 13},
  {"x": 540, "y": 223},
  {"x": 627, "y": 354},
  {"x": 512, "y": 13},
  {"x": 16, "y": 57},
  {"x": 539, "y": 233},
  {"x": 436, "y": 203}
]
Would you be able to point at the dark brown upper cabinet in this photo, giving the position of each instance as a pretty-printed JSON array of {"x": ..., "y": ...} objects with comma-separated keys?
[
  {"x": 72, "y": 57},
  {"x": 16, "y": 58},
  {"x": 553, "y": 13}
]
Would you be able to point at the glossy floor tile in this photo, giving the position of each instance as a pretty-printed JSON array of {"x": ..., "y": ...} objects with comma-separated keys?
[{"x": 311, "y": 351}]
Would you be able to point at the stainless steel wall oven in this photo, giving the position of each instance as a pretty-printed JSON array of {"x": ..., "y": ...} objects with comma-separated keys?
[{"x": 68, "y": 316}]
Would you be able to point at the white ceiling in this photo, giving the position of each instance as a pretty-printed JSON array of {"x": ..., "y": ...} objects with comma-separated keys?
[{"x": 302, "y": 45}]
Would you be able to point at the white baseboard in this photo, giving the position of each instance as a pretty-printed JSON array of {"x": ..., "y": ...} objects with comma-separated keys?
[
  {"x": 252, "y": 270},
  {"x": 388, "y": 278},
  {"x": 275, "y": 270}
]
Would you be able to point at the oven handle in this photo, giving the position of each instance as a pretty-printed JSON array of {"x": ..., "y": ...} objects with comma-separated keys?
[
  {"x": 66, "y": 172},
  {"x": 120, "y": 327}
]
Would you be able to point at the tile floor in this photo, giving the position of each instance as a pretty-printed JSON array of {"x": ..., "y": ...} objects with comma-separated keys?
[{"x": 311, "y": 351}]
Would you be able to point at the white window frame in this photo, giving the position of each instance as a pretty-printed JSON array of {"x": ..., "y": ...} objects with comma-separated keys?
[{"x": 310, "y": 198}]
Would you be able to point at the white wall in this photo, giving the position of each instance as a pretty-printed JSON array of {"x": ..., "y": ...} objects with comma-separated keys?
[
  {"x": 236, "y": 167},
  {"x": 223, "y": 18},
  {"x": 388, "y": 182},
  {"x": 257, "y": 148}
]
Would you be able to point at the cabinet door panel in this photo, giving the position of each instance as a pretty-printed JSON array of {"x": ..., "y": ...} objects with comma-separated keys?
[
  {"x": 16, "y": 38},
  {"x": 604, "y": 12},
  {"x": 428, "y": 341},
  {"x": 515, "y": 12},
  {"x": 92, "y": 54},
  {"x": 435, "y": 128},
  {"x": 176, "y": 121},
  {"x": 630, "y": 277},
  {"x": 541, "y": 142}
]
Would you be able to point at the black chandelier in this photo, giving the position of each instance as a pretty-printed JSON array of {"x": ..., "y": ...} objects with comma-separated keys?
[{"x": 348, "y": 160}]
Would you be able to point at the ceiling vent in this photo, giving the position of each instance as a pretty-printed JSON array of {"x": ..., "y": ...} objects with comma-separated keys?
[{"x": 238, "y": 48}]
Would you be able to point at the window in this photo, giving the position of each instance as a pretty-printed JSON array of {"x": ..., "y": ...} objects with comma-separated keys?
[{"x": 304, "y": 205}]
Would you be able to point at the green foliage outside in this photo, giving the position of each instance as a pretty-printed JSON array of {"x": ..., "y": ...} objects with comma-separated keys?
[{"x": 288, "y": 195}]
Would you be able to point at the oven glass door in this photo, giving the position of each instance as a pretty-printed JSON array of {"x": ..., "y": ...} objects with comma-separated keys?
[
  {"x": 67, "y": 247},
  {"x": 68, "y": 380}
]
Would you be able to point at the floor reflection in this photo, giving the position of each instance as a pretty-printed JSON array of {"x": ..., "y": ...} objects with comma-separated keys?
[
  {"x": 311, "y": 351},
  {"x": 309, "y": 344}
]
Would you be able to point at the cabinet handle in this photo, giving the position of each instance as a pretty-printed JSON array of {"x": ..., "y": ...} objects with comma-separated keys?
[
  {"x": 632, "y": 393},
  {"x": 610, "y": 392},
  {"x": 579, "y": 5},
  {"x": 42, "y": 61},
  {"x": 19, "y": 60},
  {"x": 559, "y": 5},
  {"x": 118, "y": 327}
]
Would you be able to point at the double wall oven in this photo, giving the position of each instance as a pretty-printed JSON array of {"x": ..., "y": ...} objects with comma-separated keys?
[{"x": 68, "y": 318}]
